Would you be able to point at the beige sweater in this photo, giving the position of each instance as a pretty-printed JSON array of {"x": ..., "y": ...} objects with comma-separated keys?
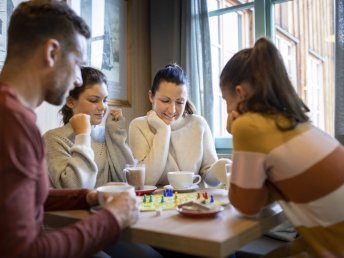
[
  {"x": 187, "y": 144},
  {"x": 87, "y": 160}
]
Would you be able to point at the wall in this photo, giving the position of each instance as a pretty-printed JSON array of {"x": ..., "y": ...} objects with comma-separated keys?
[{"x": 139, "y": 70}]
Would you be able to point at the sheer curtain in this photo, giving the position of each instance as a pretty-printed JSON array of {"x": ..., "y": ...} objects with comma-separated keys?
[
  {"x": 339, "y": 74},
  {"x": 180, "y": 33},
  {"x": 196, "y": 56}
]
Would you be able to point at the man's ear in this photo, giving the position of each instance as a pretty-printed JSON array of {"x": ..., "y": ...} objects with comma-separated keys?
[
  {"x": 52, "y": 49},
  {"x": 70, "y": 102},
  {"x": 150, "y": 95}
]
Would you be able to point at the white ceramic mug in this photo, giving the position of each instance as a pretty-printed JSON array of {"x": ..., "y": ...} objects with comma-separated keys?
[
  {"x": 135, "y": 175},
  {"x": 113, "y": 190},
  {"x": 183, "y": 179}
]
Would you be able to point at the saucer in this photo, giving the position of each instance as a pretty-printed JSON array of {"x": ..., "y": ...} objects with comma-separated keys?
[
  {"x": 192, "y": 188},
  {"x": 147, "y": 189},
  {"x": 200, "y": 214}
]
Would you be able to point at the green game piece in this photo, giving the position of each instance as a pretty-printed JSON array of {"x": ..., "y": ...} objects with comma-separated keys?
[
  {"x": 162, "y": 199},
  {"x": 144, "y": 198},
  {"x": 150, "y": 198}
]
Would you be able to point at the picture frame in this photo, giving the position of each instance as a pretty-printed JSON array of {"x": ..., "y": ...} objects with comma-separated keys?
[
  {"x": 6, "y": 9},
  {"x": 107, "y": 49}
]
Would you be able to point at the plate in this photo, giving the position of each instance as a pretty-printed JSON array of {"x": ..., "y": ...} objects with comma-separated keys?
[
  {"x": 200, "y": 214},
  {"x": 192, "y": 188},
  {"x": 147, "y": 189}
]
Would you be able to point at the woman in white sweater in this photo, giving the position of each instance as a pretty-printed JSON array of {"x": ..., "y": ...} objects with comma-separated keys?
[
  {"x": 83, "y": 153},
  {"x": 171, "y": 137}
]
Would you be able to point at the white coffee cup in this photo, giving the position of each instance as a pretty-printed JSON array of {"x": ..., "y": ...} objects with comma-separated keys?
[
  {"x": 135, "y": 175},
  {"x": 218, "y": 169},
  {"x": 183, "y": 179},
  {"x": 113, "y": 190}
]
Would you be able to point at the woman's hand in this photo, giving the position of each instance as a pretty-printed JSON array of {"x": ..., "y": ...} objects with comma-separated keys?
[
  {"x": 155, "y": 121},
  {"x": 230, "y": 119},
  {"x": 116, "y": 114},
  {"x": 81, "y": 123}
]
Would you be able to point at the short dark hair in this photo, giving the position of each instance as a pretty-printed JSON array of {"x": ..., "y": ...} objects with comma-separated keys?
[
  {"x": 35, "y": 21},
  {"x": 90, "y": 76},
  {"x": 175, "y": 74}
]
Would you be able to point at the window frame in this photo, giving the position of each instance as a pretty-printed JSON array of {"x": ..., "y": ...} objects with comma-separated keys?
[{"x": 263, "y": 25}]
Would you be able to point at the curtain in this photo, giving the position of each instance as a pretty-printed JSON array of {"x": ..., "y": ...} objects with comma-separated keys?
[
  {"x": 196, "y": 56},
  {"x": 339, "y": 72},
  {"x": 180, "y": 33}
]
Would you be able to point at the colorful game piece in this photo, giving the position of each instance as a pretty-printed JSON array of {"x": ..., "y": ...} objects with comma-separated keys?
[
  {"x": 211, "y": 199},
  {"x": 205, "y": 195},
  {"x": 158, "y": 211},
  {"x": 155, "y": 201}
]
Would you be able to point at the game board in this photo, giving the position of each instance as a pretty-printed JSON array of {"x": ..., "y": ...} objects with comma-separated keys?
[{"x": 169, "y": 200}]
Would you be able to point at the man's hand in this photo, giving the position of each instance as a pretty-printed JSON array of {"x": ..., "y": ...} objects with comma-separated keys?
[{"x": 125, "y": 208}]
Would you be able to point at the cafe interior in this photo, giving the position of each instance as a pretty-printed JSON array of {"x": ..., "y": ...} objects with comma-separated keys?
[{"x": 200, "y": 36}]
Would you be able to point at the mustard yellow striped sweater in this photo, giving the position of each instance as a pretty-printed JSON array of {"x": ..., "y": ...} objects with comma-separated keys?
[{"x": 302, "y": 168}]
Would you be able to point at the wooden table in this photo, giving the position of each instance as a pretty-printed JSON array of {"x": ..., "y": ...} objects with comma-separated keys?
[{"x": 207, "y": 237}]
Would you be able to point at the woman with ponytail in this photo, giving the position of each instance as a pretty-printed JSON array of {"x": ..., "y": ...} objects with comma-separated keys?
[
  {"x": 171, "y": 137},
  {"x": 278, "y": 155}
]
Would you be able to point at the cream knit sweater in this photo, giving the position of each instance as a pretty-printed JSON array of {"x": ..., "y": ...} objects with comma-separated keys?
[
  {"x": 87, "y": 160},
  {"x": 187, "y": 144}
]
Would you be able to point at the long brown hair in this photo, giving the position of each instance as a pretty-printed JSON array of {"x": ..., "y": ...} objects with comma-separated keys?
[{"x": 272, "y": 91}]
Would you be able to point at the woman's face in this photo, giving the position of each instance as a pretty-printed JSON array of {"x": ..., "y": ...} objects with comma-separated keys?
[
  {"x": 93, "y": 101},
  {"x": 169, "y": 101}
]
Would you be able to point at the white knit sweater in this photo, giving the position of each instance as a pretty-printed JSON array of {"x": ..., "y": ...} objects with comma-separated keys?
[
  {"x": 187, "y": 144},
  {"x": 87, "y": 160}
]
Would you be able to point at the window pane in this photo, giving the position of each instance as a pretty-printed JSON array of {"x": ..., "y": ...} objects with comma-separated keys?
[
  {"x": 229, "y": 33},
  {"x": 307, "y": 46}
]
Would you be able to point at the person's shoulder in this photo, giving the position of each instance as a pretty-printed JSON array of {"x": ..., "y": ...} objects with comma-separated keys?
[
  {"x": 62, "y": 131},
  {"x": 139, "y": 120},
  {"x": 198, "y": 120},
  {"x": 250, "y": 123},
  {"x": 251, "y": 118}
]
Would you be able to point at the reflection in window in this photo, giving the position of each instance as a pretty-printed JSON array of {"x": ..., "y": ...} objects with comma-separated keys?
[{"x": 306, "y": 44}]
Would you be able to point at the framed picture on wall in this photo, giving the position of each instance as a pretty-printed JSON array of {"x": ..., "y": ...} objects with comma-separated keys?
[
  {"x": 6, "y": 10},
  {"x": 107, "y": 48}
]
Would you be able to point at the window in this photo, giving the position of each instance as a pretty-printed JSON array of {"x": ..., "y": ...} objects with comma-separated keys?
[
  {"x": 224, "y": 45},
  {"x": 311, "y": 45},
  {"x": 305, "y": 42}
]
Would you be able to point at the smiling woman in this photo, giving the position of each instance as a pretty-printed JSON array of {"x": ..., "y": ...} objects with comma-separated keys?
[
  {"x": 83, "y": 153},
  {"x": 171, "y": 137}
]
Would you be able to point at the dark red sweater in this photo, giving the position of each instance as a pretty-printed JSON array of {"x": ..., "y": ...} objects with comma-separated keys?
[{"x": 24, "y": 193}]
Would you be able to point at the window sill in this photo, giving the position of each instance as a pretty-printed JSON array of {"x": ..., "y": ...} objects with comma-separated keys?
[{"x": 223, "y": 145}]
